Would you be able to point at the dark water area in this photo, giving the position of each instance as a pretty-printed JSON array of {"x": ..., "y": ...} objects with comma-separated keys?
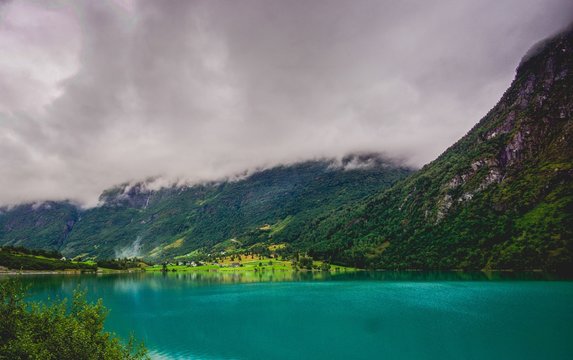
[{"x": 363, "y": 315}]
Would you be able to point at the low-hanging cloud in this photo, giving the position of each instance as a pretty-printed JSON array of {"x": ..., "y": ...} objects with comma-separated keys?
[{"x": 95, "y": 93}]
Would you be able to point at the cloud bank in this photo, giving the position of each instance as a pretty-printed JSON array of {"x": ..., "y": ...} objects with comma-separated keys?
[{"x": 95, "y": 93}]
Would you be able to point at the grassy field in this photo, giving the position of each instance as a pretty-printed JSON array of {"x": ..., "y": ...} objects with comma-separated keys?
[
  {"x": 22, "y": 259},
  {"x": 13, "y": 259},
  {"x": 17, "y": 261},
  {"x": 247, "y": 263}
]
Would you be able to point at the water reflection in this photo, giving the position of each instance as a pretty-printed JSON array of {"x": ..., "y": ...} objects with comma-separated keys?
[
  {"x": 133, "y": 283},
  {"x": 249, "y": 277},
  {"x": 353, "y": 315}
]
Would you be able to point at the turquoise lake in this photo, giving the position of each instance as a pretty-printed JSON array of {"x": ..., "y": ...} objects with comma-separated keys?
[{"x": 348, "y": 316}]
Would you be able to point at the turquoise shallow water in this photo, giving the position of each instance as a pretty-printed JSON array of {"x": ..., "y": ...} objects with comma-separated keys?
[{"x": 360, "y": 316}]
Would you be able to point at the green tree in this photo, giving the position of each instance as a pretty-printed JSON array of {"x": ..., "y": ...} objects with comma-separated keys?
[
  {"x": 305, "y": 262},
  {"x": 31, "y": 330}
]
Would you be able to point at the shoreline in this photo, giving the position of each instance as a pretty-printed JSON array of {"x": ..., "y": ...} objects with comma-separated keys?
[
  {"x": 66, "y": 272},
  {"x": 5, "y": 271}
]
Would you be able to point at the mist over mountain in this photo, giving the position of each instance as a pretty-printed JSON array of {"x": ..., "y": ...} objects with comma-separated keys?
[
  {"x": 499, "y": 198},
  {"x": 160, "y": 130},
  {"x": 144, "y": 220},
  {"x": 98, "y": 93},
  {"x": 286, "y": 179}
]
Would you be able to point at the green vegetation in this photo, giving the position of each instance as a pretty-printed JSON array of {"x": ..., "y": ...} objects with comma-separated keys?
[
  {"x": 500, "y": 198},
  {"x": 121, "y": 264},
  {"x": 47, "y": 226},
  {"x": 247, "y": 262},
  {"x": 24, "y": 259},
  {"x": 50, "y": 254},
  {"x": 57, "y": 331},
  {"x": 160, "y": 225},
  {"x": 20, "y": 258}
]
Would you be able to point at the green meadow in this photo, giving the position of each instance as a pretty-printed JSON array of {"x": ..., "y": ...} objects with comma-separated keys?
[{"x": 247, "y": 264}]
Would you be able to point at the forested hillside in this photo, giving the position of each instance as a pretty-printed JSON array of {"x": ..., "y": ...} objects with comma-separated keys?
[
  {"x": 268, "y": 206},
  {"x": 499, "y": 198}
]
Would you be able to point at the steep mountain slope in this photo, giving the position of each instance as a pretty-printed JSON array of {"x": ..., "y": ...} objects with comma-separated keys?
[
  {"x": 500, "y": 198},
  {"x": 41, "y": 226},
  {"x": 134, "y": 220}
]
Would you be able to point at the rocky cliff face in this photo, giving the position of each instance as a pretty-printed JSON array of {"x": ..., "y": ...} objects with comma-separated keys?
[
  {"x": 529, "y": 125},
  {"x": 501, "y": 197}
]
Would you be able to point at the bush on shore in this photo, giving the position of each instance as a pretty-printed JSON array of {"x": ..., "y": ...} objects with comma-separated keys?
[{"x": 31, "y": 330}]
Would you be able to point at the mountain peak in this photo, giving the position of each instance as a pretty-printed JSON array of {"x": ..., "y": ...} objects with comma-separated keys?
[{"x": 501, "y": 197}]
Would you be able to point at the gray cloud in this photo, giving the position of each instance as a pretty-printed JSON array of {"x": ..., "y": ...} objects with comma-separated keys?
[{"x": 98, "y": 93}]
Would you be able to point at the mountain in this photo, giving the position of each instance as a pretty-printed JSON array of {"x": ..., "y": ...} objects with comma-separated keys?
[
  {"x": 135, "y": 220},
  {"x": 499, "y": 198}
]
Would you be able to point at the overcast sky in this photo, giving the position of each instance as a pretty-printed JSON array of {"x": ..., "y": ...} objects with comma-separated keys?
[{"x": 95, "y": 93}]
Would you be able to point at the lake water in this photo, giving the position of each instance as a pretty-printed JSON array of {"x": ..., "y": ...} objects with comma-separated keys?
[{"x": 347, "y": 316}]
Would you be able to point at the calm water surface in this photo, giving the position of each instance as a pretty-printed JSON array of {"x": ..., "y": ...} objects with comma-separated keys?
[{"x": 353, "y": 316}]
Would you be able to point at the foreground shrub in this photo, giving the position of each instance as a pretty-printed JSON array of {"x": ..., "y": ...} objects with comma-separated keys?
[{"x": 62, "y": 331}]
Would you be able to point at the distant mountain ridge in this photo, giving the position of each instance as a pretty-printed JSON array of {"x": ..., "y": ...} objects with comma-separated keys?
[
  {"x": 499, "y": 198},
  {"x": 138, "y": 220}
]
